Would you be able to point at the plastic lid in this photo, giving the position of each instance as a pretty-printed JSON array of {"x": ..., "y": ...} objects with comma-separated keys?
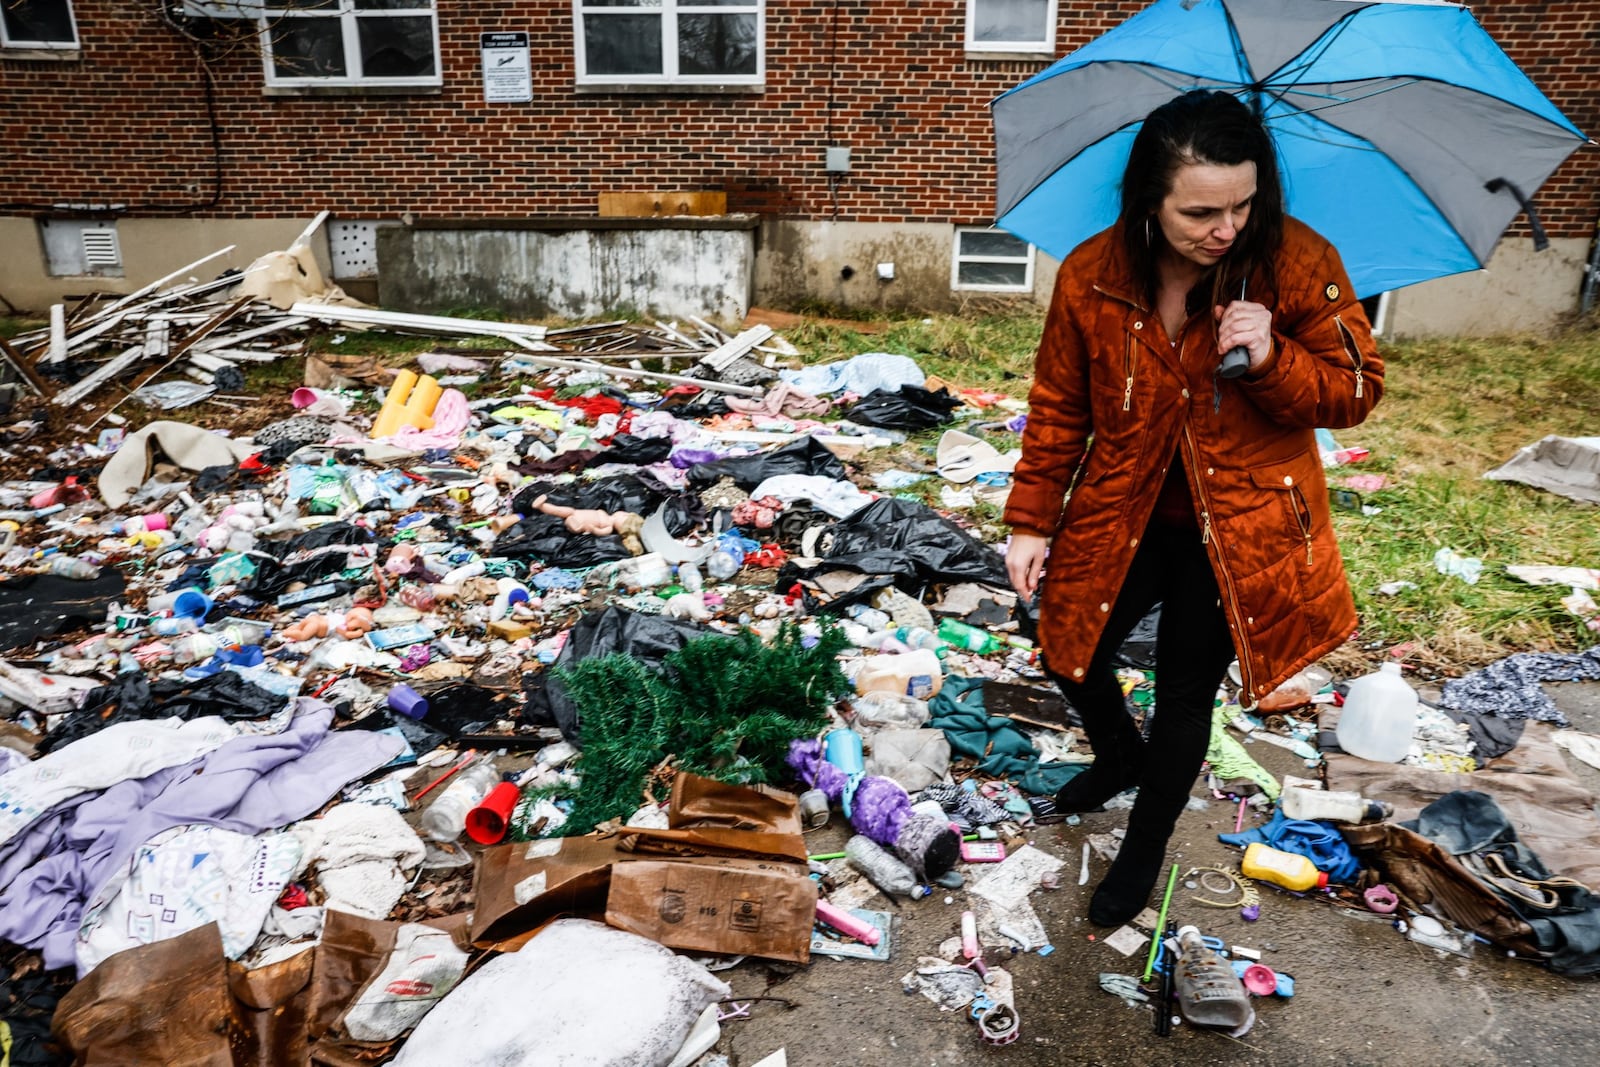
[{"x": 1322, "y": 879}]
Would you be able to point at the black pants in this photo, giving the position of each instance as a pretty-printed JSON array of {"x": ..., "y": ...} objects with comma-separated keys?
[{"x": 1193, "y": 650}]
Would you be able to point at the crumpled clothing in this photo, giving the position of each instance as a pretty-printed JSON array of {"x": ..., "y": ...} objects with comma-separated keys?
[
  {"x": 858, "y": 374},
  {"x": 360, "y": 852},
  {"x": 782, "y": 399},
  {"x": 1002, "y": 750},
  {"x": 1473, "y": 828},
  {"x": 1510, "y": 687},
  {"x": 838, "y": 498},
  {"x": 1229, "y": 759},
  {"x": 451, "y": 417},
  {"x": 183, "y": 878}
]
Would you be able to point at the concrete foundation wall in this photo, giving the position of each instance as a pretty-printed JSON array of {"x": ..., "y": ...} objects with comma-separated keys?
[
  {"x": 573, "y": 273},
  {"x": 1518, "y": 291},
  {"x": 151, "y": 249},
  {"x": 836, "y": 264}
]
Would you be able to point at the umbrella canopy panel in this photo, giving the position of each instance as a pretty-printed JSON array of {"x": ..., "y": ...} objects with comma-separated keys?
[{"x": 1390, "y": 120}]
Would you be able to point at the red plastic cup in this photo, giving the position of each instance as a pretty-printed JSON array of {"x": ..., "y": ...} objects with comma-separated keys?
[{"x": 487, "y": 823}]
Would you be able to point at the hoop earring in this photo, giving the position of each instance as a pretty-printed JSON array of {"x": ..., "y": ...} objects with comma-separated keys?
[{"x": 1147, "y": 231}]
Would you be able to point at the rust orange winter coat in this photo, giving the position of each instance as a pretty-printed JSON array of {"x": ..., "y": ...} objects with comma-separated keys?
[{"x": 1114, "y": 401}]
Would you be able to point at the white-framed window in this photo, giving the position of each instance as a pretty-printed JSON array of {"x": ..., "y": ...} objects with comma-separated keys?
[
  {"x": 41, "y": 24},
  {"x": 1011, "y": 26},
  {"x": 350, "y": 42},
  {"x": 991, "y": 260},
  {"x": 669, "y": 42}
]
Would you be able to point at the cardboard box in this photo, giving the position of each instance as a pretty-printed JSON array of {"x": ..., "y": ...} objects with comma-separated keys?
[{"x": 737, "y": 906}]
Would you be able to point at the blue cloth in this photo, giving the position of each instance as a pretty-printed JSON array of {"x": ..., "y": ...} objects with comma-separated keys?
[{"x": 858, "y": 374}]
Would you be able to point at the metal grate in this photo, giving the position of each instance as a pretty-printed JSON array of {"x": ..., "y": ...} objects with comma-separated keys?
[{"x": 100, "y": 249}]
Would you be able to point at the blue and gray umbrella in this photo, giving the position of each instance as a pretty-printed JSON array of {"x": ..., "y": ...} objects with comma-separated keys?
[{"x": 1406, "y": 136}]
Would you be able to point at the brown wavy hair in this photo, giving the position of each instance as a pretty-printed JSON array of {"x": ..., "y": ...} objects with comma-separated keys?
[{"x": 1203, "y": 126}]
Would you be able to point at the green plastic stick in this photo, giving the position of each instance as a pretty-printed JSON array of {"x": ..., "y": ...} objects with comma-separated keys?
[
  {"x": 827, "y": 856},
  {"x": 1161, "y": 924}
]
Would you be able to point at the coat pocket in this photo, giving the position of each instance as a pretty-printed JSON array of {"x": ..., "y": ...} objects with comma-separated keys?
[{"x": 1296, "y": 524}]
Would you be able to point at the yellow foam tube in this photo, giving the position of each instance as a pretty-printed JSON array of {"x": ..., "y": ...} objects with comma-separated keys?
[
  {"x": 419, "y": 406},
  {"x": 390, "y": 415}
]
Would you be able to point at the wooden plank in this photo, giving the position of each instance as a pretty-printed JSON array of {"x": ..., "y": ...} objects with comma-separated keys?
[
  {"x": 660, "y": 204},
  {"x": 57, "y": 351},
  {"x": 221, "y": 317},
  {"x": 731, "y": 350},
  {"x": 111, "y": 369},
  {"x": 29, "y": 376}
]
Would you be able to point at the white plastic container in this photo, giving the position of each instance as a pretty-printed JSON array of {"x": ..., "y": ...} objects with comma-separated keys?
[
  {"x": 1379, "y": 717},
  {"x": 1333, "y": 806},
  {"x": 915, "y": 674}
]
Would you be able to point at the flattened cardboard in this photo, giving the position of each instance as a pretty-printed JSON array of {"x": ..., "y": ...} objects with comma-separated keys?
[
  {"x": 726, "y": 905},
  {"x": 706, "y": 802},
  {"x": 519, "y": 887}
]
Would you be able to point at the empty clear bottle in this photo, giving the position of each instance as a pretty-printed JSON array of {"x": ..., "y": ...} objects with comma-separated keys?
[
  {"x": 73, "y": 567},
  {"x": 446, "y": 818},
  {"x": 882, "y": 869},
  {"x": 1208, "y": 992}
]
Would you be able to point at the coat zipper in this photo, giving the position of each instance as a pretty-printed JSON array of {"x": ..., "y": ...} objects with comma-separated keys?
[
  {"x": 1302, "y": 515},
  {"x": 1354, "y": 350},
  {"x": 1230, "y": 596},
  {"x": 1129, "y": 361}
]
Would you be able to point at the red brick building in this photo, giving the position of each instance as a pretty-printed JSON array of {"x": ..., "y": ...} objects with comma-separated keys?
[{"x": 181, "y": 132}]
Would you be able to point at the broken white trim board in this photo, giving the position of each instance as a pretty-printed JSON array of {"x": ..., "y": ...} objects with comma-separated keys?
[{"x": 424, "y": 323}]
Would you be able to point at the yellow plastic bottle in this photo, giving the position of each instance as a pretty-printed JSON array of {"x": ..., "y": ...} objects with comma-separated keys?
[{"x": 1287, "y": 869}]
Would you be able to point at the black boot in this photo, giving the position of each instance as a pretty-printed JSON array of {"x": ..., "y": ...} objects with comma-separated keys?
[
  {"x": 1118, "y": 747},
  {"x": 1125, "y": 890}
]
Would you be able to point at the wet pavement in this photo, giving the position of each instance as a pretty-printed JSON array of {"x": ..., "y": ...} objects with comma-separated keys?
[{"x": 1364, "y": 993}]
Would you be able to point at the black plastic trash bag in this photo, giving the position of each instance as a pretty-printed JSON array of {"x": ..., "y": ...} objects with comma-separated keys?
[
  {"x": 132, "y": 696},
  {"x": 545, "y": 539},
  {"x": 640, "y": 493},
  {"x": 911, "y": 543},
  {"x": 805, "y": 456},
  {"x": 910, "y": 407},
  {"x": 36, "y": 606},
  {"x": 308, "y": 557},
  {"x": 626, "y": 448},
  {"x": 647, "y": 638}
]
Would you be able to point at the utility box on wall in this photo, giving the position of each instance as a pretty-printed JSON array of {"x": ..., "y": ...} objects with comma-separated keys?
[{"x": 571, "y": 268}]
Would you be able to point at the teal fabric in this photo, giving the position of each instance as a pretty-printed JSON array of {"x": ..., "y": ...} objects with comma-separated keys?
[{"x": 1001, "y": 749}]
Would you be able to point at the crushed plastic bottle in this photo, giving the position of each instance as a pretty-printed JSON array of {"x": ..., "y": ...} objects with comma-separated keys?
[
  {"x": 883, "y": 870},
  {"x": 446, "y": 818},
  {"x": 1208, "y": 992}
]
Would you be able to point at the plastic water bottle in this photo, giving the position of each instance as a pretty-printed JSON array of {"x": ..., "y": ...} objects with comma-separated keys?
[
  {"x": 1208, "y": 992},
  {"x": 689, "y": 578},
  {"x": 919, "y": 637},
  {"x": 725, "y": 560},
  {"x": 1379, "y": 717},
  {"x": 869, "y": 616},
  {"x": 73, "y": 567},
  {"x": 883, "y": 870},
  {"x": 969, "y": 638},
  {"x": 446, "y": 818}
]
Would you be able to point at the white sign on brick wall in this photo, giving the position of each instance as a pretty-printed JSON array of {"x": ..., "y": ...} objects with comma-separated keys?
[{"x": 507, "y": 71}]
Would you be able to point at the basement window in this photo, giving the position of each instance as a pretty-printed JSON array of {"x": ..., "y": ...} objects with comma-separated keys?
[
  {"x": 37, "y": 25},
  {"x": 671, "y": 43},
  {"x": 358, "y": 43},
  {"x": 1006, "y": 27},
  {"x": 990, "y": 260},
  {"x": 81, "y": 248}
]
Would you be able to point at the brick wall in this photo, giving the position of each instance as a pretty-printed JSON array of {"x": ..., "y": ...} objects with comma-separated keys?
[{"x": 129, "y": 121}]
